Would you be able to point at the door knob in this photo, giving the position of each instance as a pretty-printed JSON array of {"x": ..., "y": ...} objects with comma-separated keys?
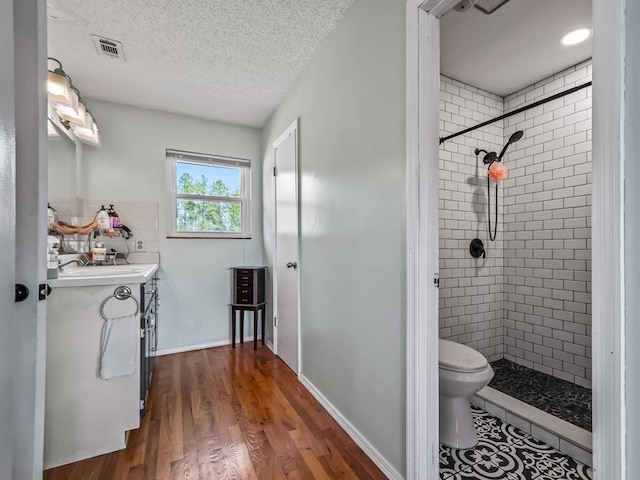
[
  {"x": 22, "y": 292},
  {"x": 292, "y": 264}
]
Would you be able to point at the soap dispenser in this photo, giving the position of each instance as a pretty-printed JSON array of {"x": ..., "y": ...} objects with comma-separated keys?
[
  {"x": 115, "y": 218},
  {"x": 103, "y": 220}
]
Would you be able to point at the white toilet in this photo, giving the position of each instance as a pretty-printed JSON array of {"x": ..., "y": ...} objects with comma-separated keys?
[{"x": 463, "y": 372}]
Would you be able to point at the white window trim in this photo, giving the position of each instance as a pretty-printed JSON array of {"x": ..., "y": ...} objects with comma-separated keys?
[{"x": 175, "y": 156}]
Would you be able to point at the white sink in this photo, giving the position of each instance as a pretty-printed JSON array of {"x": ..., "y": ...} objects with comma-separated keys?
[
  {"x": 100, "y": 271},
  {"x": 75, "y": 276}
]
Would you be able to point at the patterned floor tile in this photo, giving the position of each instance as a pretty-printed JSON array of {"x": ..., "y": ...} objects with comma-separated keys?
[
  {"x": 492, "y": 429},
  {"x": 505, "y": 452},
  {"x": 493, "y": 435},
  {"x": 535, "y": 460},
  {"x": 480, "y": 471},
  {"x": 456, "y": 460},
  {"x": 446, "y": 473}
]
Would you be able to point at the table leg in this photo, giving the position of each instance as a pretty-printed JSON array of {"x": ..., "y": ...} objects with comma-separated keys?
[
  {"x": 255, "y": 328},
  {"x": 233, "y": 327},
  {"x": 241, "y": 325},
  {"x": 263, "y": 312}
]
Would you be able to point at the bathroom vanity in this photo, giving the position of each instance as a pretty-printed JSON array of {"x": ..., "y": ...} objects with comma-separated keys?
[{"x": 85, "y": 415}]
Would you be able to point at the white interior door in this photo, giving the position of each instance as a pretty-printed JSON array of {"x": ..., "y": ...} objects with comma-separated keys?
[
  {"x": 7, "y": 238},
  {"x": 23, "y": 198},
  {"x": 287, "y": 243}
]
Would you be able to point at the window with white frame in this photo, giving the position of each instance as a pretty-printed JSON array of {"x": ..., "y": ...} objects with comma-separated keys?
[{"x": 208, "y": 196}]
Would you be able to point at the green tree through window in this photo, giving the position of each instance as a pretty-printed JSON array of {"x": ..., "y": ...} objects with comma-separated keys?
[{"x": 206, "y": 215}]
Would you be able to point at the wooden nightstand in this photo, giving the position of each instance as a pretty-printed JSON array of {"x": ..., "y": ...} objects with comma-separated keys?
[{"x": 248, "y": 293}]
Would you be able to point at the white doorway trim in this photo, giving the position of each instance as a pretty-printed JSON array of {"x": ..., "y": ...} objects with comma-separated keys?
[
  {"x": 291, "y": 130},
  {"x": 423, "y": 97},
  {"x": 613, "y": 423},
  {"x": 608, "y": 252}
]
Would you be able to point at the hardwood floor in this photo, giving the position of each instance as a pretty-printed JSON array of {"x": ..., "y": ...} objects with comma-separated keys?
[{"x": 222, "y": 413}]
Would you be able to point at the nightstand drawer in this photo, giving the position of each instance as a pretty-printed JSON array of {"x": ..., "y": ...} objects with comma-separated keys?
[{"x": 244, "y": 293}]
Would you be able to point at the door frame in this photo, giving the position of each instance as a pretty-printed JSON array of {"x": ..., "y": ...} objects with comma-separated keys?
[
  {"x": 614, "y": 430},
  {"x": 423, "y": 98},
  {"x": 291, "y": 129}
]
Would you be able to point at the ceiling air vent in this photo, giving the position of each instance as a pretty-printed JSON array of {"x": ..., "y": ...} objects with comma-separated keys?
[
  {"x": 108, "y": 48},
  {"x": 489, "y": 6}
]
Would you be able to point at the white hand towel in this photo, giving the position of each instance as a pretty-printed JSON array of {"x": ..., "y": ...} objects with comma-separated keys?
[{"x": 120, "y": 339}]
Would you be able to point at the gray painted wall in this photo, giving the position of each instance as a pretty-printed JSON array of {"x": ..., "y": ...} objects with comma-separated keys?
[
  {"x": 350, "y": 102},
  {"x": 130, "y": 167}
]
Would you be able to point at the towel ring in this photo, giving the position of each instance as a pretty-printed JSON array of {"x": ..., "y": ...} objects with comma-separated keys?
[{"x": 120, "y": 293}]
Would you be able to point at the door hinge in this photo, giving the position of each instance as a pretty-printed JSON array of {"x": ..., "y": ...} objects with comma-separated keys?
[
  {"x": 436, "y": 280},
  {"x": 141, "y": 404},
  {"x": 275, "y": 171},
  {"x": 275, "y": 321},
  {"x": 142, "y": 333}
]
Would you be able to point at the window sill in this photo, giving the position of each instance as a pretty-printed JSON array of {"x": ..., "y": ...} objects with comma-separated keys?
[{"x": 207, "y": 237}]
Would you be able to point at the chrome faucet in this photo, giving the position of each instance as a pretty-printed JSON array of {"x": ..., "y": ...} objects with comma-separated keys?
[{"x": 75, "y": 260}]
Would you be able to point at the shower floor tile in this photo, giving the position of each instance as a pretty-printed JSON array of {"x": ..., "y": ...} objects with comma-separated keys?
[
  {"x": 505, "y": 452},
  {"x": 555, "y": 396}
]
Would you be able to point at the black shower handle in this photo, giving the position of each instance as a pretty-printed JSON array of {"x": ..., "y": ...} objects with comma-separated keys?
[{"x": 476, "y": 248}]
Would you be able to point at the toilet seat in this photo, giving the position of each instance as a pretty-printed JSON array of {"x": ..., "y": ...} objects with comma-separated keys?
[{"x": 459, "y": 358}]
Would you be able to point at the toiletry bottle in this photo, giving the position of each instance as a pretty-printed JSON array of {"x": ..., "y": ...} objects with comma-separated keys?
[
  {"x": 52, "y": 217},
  {"x": 98, "y": 253},
  {"x": 103, "y": 220},
  {"x": 115, "y": 218},
  {"x": 52, "y": 264},
  {"x": 52, "y": 257}
]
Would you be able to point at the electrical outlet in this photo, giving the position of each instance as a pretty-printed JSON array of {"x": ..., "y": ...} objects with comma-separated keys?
[{"x": 139, "y": 245}]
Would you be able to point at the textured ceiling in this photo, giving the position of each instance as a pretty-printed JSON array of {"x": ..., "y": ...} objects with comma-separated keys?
[
  {"x": 218, "y": 59},
  {"x": 515, "y": 46}
]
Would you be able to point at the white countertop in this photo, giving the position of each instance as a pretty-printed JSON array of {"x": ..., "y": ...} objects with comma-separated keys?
[{"x": 75, "y": 276}]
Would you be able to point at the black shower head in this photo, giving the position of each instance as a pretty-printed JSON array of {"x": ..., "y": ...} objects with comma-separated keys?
[
  {"x": 490, "y": 158},
  {"x": 516, "y": 136},
  {"x": 512, "y": 139}
]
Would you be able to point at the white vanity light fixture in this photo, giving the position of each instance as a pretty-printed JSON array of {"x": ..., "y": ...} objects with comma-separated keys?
[
  {"x": 575, "y": 37},
  {"x": 70, "y": 110},
  {"x": 89, "y": 134},
  {"x": 73, "y": 113},
  {"x": 64, "y": 97},
  {"x": 59, "y": 85}
]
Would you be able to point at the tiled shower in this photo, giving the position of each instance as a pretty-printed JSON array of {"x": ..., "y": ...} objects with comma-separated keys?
[{"x": 529, "y": 300}]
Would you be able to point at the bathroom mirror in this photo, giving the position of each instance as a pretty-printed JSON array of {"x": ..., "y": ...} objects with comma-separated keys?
[{"x": 63, "y": 163}]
